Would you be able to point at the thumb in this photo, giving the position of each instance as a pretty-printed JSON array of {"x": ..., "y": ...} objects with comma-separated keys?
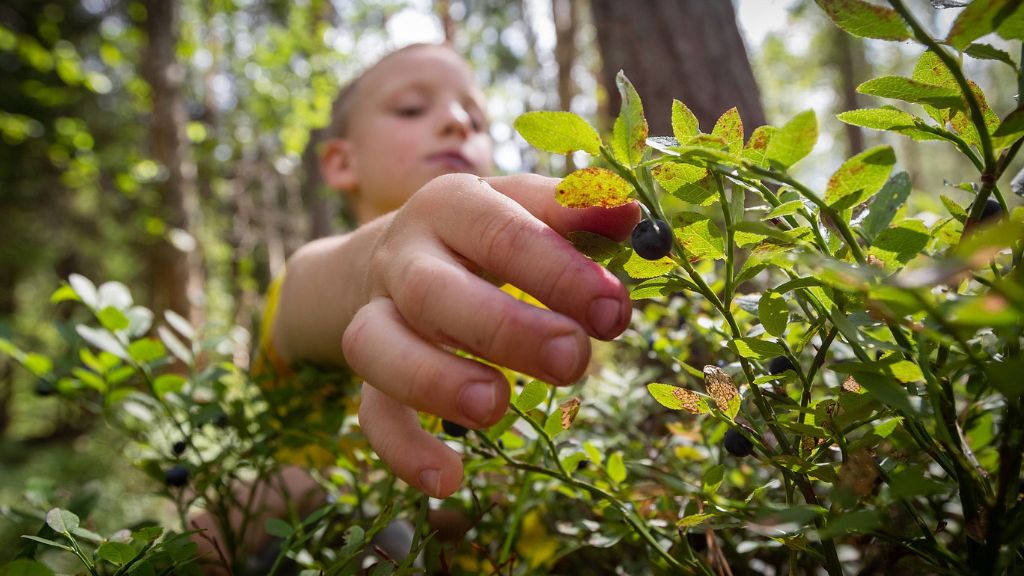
[{"x": 537, "y": 194}]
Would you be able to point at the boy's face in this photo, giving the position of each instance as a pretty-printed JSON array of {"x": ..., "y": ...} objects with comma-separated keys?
[{"x": 415, "y": 116}]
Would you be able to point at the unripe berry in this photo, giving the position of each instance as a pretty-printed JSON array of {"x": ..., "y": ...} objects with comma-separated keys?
[
  {"x": 454, "y": 430},
  {"x": 176, "y": 476},
  {"x": 651, "y": 240},
  {"x": 779, "y": 364},
  {"x": 737, "y": 444}
]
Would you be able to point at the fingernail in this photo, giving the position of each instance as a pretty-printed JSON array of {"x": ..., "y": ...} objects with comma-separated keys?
[
  {"x": 477, "y": 402},
  {"x": 604, "y": 316},
  {"x": 560, "y": 357},
  {"x": 430, "y": 482}
]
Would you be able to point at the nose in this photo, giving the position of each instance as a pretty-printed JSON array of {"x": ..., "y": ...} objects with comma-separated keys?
[{"x": 456, "y": 120}]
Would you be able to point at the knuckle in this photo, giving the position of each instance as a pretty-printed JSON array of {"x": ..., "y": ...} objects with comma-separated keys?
[
  {"x": 417, "y": 286},
  {"x": 424, "y": 377},
  {"x": 500, "y": 236}
]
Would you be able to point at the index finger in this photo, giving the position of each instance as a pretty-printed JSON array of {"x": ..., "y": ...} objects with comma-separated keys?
[{"x": 516, "y": 235}]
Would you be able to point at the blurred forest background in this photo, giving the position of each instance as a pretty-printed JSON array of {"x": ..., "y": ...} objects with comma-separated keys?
[{"x": 172, "y": 146}]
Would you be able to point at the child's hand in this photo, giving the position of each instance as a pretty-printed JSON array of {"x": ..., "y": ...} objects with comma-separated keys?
[{"x": 426, "y": 290}]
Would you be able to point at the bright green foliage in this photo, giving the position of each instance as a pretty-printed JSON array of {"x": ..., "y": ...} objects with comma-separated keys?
[
  {"x": 978, "y": 19},
  {"x": 889, "y": 118},
  {"x": 684, "y": 123},
  {"x": 859, "y": 178},
  {"x": 730, "y": 129},
  {"x": 774, "y": 313},
  {"x": 989, "y": 52},
  {"x": 700, "y": 237},
  {"x": 793, "y": 141},
  {"x": 865, "y": 19},
  {"x": 630, "y": 131},
  {"x": 558, "y": 132},
  {"x": 911, "y": 90}
]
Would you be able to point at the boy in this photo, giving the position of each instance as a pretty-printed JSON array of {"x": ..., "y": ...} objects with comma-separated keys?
[{"x": 421, "y": 274}]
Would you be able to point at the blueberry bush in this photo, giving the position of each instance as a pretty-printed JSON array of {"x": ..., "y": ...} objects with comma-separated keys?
[{"x": 815, "y": 380}]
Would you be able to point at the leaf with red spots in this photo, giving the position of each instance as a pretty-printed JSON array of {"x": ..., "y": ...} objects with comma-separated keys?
[{"x": 593, "y": 187}]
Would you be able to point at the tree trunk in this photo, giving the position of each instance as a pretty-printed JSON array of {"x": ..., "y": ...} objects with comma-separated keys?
[
  {"x": 689, "y": 50},
  {"x": 566, "y": 23},
  {"x": 176, "y": 277},
  {"x": 850, "y": 64}
]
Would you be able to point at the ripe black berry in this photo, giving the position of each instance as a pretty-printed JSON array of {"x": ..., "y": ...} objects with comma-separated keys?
[
  {"x": 179, "y": 447},
  {"x": 454, "y": 430},
  {"x": 779, "y": 364},
  {"x": 176, "y": 476},
  {"x": 991, "y": 211},
  {"x": 221, "y": 420},
  {"x": 697, "y": 540},
  {"x": 44, "y": 388},
  {"x": 651, "y": 240},
  {"x": 737, "y": 444}
]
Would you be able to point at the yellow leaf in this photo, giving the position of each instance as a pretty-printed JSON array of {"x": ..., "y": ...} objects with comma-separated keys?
[
  {"x": 535, "y": 544},
  {"x": 593, "y": 187}
]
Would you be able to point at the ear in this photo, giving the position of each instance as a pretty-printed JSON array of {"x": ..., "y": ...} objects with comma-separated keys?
[{"x": 338, "y": 165}]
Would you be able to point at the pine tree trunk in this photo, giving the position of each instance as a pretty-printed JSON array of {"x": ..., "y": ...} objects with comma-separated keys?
[
  {"x": 690, "y": 50},
  {"x": 566, "y": 23},
  {"x": 176, "y": 277}
]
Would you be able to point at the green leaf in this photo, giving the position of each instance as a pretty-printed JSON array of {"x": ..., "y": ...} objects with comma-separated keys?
[
  {"x": 684, "y": 123},
  {"x": 884, "y": 206},
  {"x": 37, "y": 364},
  {"x": 729, "y": 128},
  {"x": 47, "y": 542},
  {"x": 112, "y": 319},
  {"x": 25, "y": 567},
  {"x": 661, "y": 286},
  {"x": 882, "y": 387},
  {"x": 63, "y": 294},
  {"x": 756, "y": 151},
  {"x": 558, "y": 132},
  {"x": 891, "y": 119},
  {"x": 793, "y": 141},
  {"x": 61, "y": 521},
  {"x": 699, "y": 236},
  {"x": 774, "y": 313},
  {"x": 856, "y": 521},
  {"x": 953, "y": 208},
  {"x": 1012, "y": 126},
  {"x": 910, "y": 90},
  {"x": 594, "y": 246},
  {"x": 784, "y": 209},
  {"x": 553, "y": 424},
  {"x": 694, "y": 520},
  {"x": 640, "y": 268},
  {"x": 616, "y": 468},
  {"x": 911, "y": 482},
  {"x": 593, "y": 187},
  {"x": 1012, "y": 28},
  {"x": 168, "y": 384},
  {"x": 629, "y": 133},
  {"x": 859, "y": 178},
  {"x": 929, "y": 69},
  {"x": 146, "y": 350},
  {"x": 117, "y": 553},
  {"x": 989, "y": 52},
  {"x": 866, "y": 20},
  {"x": 279, "y": 528},
  {"x": 672, "y": 175},
  {"x": 755, "y": 349},
  {"x": 898, "y": 245},
  {"x": 979, "y": 18},
  {"x": 676, "y": 398},
  {"x": 713, "y": 477},
  {"x": 533, "y": 394},
  {"x": 689, "y": 183}
]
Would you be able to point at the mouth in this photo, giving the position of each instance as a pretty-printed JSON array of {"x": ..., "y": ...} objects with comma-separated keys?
[{"x": 452, "y": 160}]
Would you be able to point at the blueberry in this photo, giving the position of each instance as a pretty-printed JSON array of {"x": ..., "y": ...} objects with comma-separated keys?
[
  {"x": 179, "y": 447},
  {"x": 454, "y": 430},
  {"x": 583, "y": 465},
  {"x": 44, "y": 388},
  {"x": 697, "y": 540},
  {"x": 737, "y": 444},
  {"x": 176, "y": 476},
  {"x": 652, "y": 240},
  {"x": 779, "y": 364},
  {"x": 221, "y": 420},
  {"x": 991, "y": 211}
]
